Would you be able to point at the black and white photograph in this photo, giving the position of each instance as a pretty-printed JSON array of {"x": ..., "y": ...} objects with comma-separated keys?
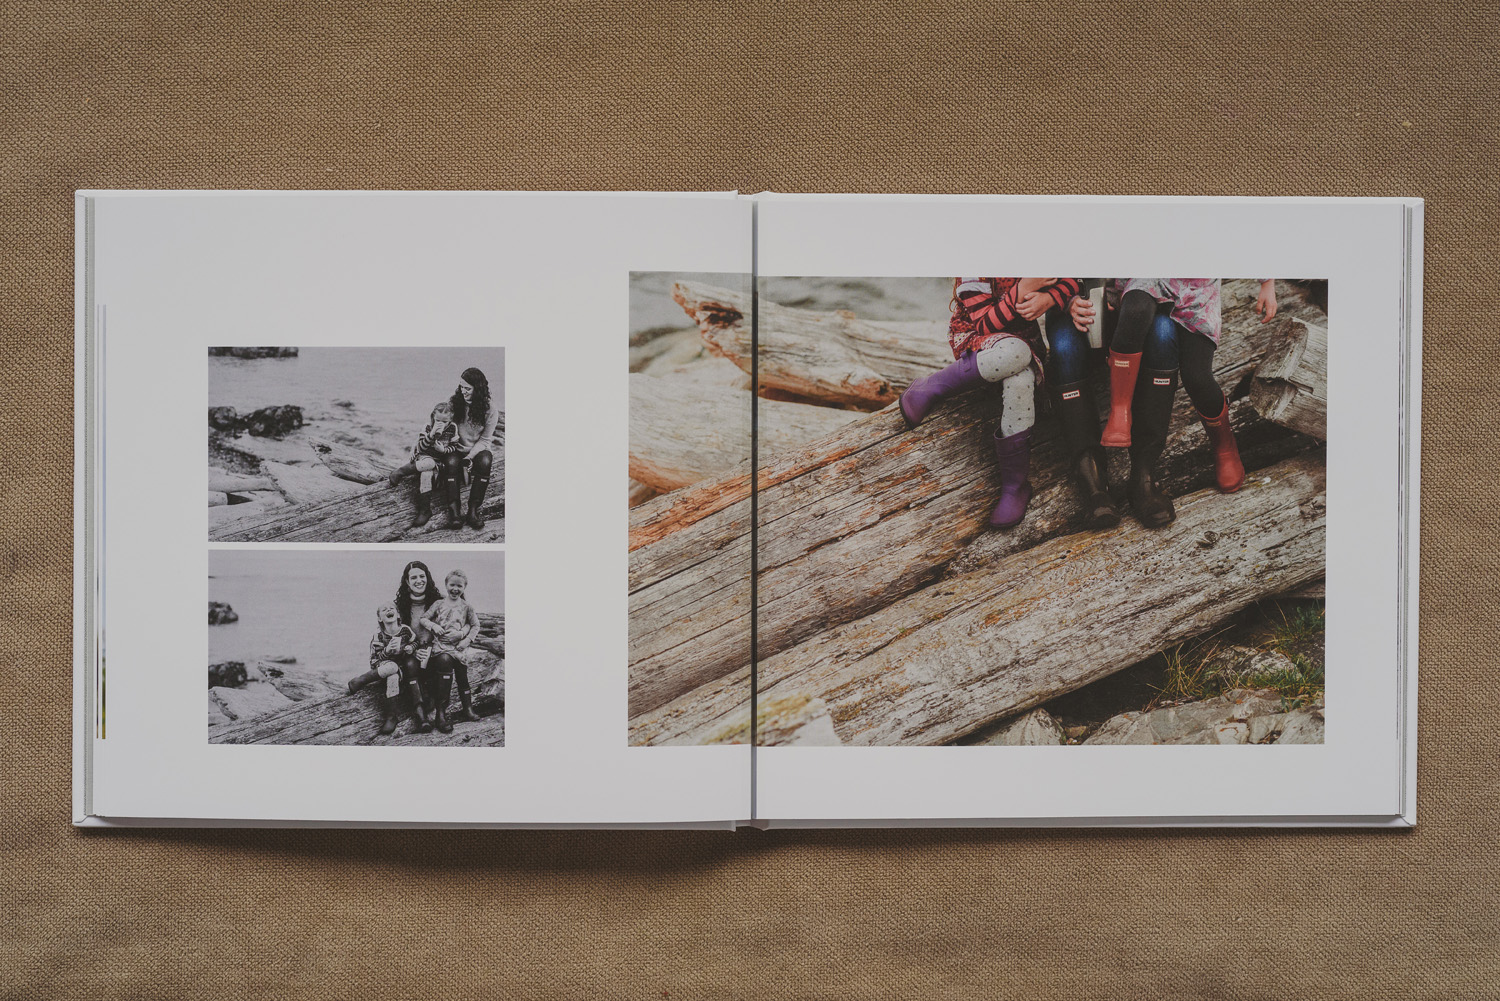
[
  {"x": 397, "y": 648},
  {"x": 356, "y": 444}
]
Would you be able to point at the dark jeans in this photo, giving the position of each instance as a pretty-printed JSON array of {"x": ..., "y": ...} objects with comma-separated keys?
[{"x": 1068, "y": 360}]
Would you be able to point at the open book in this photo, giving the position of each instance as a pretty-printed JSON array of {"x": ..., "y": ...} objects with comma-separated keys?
[{"x": 706, "y": 509}]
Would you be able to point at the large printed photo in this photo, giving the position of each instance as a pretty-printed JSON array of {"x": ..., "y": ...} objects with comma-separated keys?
[{"x": 989, "y": 511}]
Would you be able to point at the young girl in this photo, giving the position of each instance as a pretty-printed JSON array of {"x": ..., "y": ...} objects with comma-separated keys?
[
  {"x": 437, "y": 441},
  {"x": 453, "y": 624},
  {"x": 392, "y": 643},
  {"x": 1193, "y": 307},
  {"x": 994, "y": 337}
]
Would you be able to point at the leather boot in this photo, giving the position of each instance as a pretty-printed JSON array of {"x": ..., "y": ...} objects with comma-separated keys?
[
  {"x": 1080, "y": 427},
  {"x": 923, "y": 394},
  {"x": 1123, "y": 370},
  {"x": 1229, "y": 472},
  {"x": 1153, "y": 415},
  {"x": 1013, "y": 454},
  {"x": 387, "y": 715},
  {"x": 424, "y": 510},
  {"x": 368, "y": 678},
  {"x": 476, "y": 501}
]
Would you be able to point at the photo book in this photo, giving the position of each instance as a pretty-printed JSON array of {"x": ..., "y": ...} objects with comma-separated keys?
[{"x": 518, "y": 509}]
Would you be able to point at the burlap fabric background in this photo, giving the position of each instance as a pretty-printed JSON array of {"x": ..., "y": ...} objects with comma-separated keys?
[{"x": 1211, "y": 99}]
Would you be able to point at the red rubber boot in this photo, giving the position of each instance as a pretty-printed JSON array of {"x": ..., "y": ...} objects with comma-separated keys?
[
  {"x": 1123, "y": 370},
  {"x": 1229, "y": 472}
]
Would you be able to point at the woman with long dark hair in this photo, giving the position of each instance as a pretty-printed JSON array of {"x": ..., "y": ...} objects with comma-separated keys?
[
  {"x": 476, "y": 415},
  {"x": 415, "y": 592}
]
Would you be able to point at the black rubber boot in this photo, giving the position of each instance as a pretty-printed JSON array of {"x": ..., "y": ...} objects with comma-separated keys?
[
  {"x": 369, "y": 677},
  {"x": 1080, "y": 427},
  {"x": 419, "y": 706},
  {"x": 465, "y": 696},
  {"x": 424, "y": 509},
  {"x": 444, "y": 691},
  {"x": 388, "y": 715},
  {"x": 1153, "y": 413},
  {"x": 476, "y": 501},
  {"x": 455, "y": 502}
]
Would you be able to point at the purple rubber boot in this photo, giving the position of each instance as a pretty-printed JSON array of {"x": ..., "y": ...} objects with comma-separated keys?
[
  {"x": 1013, "y": 455},
  {"x": 921, "y": 396}
]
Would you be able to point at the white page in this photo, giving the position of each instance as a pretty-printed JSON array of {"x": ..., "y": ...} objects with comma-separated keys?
[
  {"x": 1363, "y": 767},
  {"x": 545, "y": 277}
]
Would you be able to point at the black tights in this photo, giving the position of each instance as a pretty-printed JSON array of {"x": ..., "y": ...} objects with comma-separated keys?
[
  {"x": 1194, "y": 357},
  {"x": 479, "y": 466}
]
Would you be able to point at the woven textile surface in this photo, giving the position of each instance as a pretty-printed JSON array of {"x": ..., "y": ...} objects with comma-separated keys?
[{"x": 1380, "y": 99}]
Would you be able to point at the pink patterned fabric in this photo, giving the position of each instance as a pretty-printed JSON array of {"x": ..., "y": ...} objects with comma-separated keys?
[{"x": 1195, "y": 301}]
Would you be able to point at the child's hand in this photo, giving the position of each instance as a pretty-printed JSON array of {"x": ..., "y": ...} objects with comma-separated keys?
[
  {"x": 1034, "y": 305},
  {"x": 1082, "y": 311},
  {"x": 1265, "y": 303},
  {"x": 463, "y": 644}
]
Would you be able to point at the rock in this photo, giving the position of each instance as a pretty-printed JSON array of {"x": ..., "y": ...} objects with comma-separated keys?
[
  {"x": 274, "y": 422},
  {"x": 220, "y": 614},
  {"x": 1225, "y": 719},
  {"x": 1076, "y": 732},
  {"x": 227, "y": 674},
  {"x": 252, "y": 352},
  {"x": 256, "y": 698},
  {"x": 223, "y": 419},
  {"x": 346, "y": 404},
  {"x": 1035, "y": 729},
  {"x": 1233, "y": 666},
  {"x": 279, "y": 660},
  {"x": 1303, "y": 726},
  {"x": 1265, "y": 729}
]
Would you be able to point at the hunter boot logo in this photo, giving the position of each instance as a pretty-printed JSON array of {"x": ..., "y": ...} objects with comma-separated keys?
[
  {"x": 1157, "y": 380},
  {"x": 1071, "y": 394}
]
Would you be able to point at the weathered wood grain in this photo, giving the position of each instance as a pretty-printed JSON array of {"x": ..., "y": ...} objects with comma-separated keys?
[
  {"x": 873, "y": 512},
  {"x": 991, "y": 642},
  {"x": 835, "y": 358},
  {"x": 1290, "y": 386},
  {"x": 683, "y": 430}
]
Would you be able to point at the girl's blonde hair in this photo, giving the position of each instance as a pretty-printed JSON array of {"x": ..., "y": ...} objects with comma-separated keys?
[
  {"x": 459, "y": 574},
  {"x": 380, "y": 613}
]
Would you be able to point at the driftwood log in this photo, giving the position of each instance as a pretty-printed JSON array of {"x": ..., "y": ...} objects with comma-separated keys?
[
  {"x": 374, "y": 513},
  {"x": 831, "y": 358},
  {"x": 355, "y": 719},
  {"x": 1290, "y": 386},
  {"x": 683, "y": 430},
  {"x": 863, "y": 517},
  {"x": 994, "y": 641}
]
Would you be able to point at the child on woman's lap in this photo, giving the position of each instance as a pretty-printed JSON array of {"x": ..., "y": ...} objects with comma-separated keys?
[
  {"x": 453, "y": 624},
  {"x": 392, "y": 643},
  {"x": 438, "y": 440}
]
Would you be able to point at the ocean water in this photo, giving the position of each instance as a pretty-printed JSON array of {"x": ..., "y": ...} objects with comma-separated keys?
[
  {"x": 319, "y": 606},
  {"x": 377, "y": 398}
]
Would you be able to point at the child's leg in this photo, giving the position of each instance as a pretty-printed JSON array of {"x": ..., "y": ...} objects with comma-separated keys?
[
  {"x": 1154, "y": 394},
  {"x": 1013, "y": 448},
  {"x": 1137, "y": 314},
  {"x": 392, "y": 675},
  {"x": 425, "y": 465},
  {"x": 465, "y": 697},
  {"x": 360, "y": 681},
  {"x": 1197, "y": 353}
]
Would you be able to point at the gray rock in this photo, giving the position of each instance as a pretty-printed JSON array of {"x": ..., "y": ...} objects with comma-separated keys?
[
  {"x": 1224, "y": 719},
  {"x": 274, "y": 422},
  {"x": 1303, "y": 726},
  {"x": 1035, "y": 729},
  {"x": 1232, "y": 666},
  {"x": 223, "y": 419},
  {"x": 1265, "y": 729},
  {"x": 227, "y": 674},
  {"x": 220, "y": 614}
]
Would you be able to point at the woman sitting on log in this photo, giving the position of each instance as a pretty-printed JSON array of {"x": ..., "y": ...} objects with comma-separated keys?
[
  {"x": 477, "y": 415},
  {"x": 994, "y": 337},
  {"x": 414, "y": 594}
]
